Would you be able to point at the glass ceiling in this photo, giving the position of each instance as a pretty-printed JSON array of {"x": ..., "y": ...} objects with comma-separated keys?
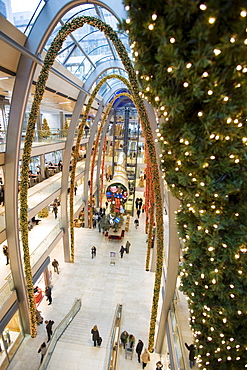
[{"x": 86, "y": 48}]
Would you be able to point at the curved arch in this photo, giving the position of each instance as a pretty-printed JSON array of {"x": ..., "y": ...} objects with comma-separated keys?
[
  {"x": 49, "y": 59},
  {"x": 75, "y": 153},
  {"x": 109, "y": 107}
]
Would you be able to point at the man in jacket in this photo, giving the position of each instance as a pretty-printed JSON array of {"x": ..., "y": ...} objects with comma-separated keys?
[
  {"x": 49, "y": 329},
  {"x": 124, "y": 338},
  {"x": 192, "y": 353},
  {"x": 48, "y": 294},
  {"x": 139, "y": 348},
  {"x": 55, "y": 264}
]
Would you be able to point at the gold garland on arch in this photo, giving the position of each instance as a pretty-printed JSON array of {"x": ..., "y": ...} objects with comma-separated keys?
[
  {"x": 56, "y": 45},
  {"x": 106, "y": 114},
  {"x": 150, "y": 228},
  {"x": 102, "y": 174},
  {"x": 76, "y": 152}
]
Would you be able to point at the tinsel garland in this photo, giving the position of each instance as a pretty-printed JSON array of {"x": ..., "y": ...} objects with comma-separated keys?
[
  {"x": 147, "y": 191},
  {"x": 102, "y": 174},
  {"x": 106, "y": 114},
  {"x": 150, "y": 229},
  {"x": 75, "y": 156}
]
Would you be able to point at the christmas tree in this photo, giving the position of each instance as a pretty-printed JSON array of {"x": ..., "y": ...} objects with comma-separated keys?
[
  {"x": 43, "y": 213},
  {"x": 65, "y": 128},
  {"x": 191, "y": 60},
  {"x": 45, "y": 129}
]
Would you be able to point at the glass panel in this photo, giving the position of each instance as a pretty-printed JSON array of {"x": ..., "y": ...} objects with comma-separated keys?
[
  {"x": 90, "y": 41},
  {"x": 110, "y": 19},
  {"x": 79, "y": 11},
  {"x": 59, "y": 331},
  {"x": 5, "y": 292},
  {"x": 25, "y": 13}
]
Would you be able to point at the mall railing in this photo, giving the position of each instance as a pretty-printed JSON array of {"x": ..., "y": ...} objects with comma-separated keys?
[
  {"x": 113, "y": 344},
  {"x": 58, "y": 332},
  {"x": 54, "y": 136},
  {"x": 6, "y": 290}
]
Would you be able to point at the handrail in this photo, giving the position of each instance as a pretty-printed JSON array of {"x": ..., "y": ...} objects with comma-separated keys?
[
  {"x": 114, "y": 340},
  {"x": 59, "y": 331}
]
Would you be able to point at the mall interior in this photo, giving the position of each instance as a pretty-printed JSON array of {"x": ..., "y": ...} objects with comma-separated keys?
[{"x": 106, "y": 290}]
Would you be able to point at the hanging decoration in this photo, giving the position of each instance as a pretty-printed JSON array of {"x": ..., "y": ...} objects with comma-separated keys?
[{"x": 102, "y": 174}]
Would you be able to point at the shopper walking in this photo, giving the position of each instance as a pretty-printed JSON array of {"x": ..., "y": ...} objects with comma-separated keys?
[
  {"x": 140, "y": 203},
  {"x": 6, "y": 253},
  {"x": 139, "y": 348},
  {"x": 192, "y": 353},
  {"x": 49, "y": 329},
  {"x": 121, "y": 251},
  {"x": 93, "y": 251},
  {"x": 131, "y": 341},
  {"x": 137, "y": 203},
  {"x": 42, "y": 350},
  {"x": 127, "y": 247},
  {"x": 159, "y": 365},
  {"x": 145, "y": 358},
  {"x": 136, "y": 222},
  {"x": 55, "y": 211},
  {"x": 124, "y": 338},
  {"x": 95, "y": 335},
  {"x": 48, "y": 295},
  {"x": 55, "y": 265}
]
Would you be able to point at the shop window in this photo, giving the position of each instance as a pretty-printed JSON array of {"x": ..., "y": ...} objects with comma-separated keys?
[{"x": 10, "y": 340}]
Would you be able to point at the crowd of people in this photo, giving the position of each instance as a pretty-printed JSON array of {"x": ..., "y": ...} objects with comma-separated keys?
[{"x": 128, "y": 343}]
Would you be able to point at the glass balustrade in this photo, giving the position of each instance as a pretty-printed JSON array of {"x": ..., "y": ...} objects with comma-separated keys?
[
  {"x": 44, "y": 245},
  {"x": 5, "y": 291}
]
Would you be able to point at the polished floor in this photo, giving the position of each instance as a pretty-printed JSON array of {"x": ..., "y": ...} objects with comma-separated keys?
[{"x": 101, "y": 286}]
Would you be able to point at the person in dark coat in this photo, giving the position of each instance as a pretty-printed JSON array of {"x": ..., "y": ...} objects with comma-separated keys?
[
  {"x": 137, "y": 203},
  {"x": 140, "y": 203},
  {"x": 124, "y": 338},
  {"x": 139, "y": 348},
  {"x": 136, "y": 222},
  {"x": 55, "y": 211},
  {"x": 127, "y": 247},
  {"x": 192, "y": 353},
  {"x": 93, "y": 251},
  {"x": 55, "y": 265},
  {"x": 49, "y": 329},
  {"x": 138, "y": 212},
  {"x": 95, "y": 335},
  {"x": 159, "y": 365},
  {"x": 42, "y": 350},
  {"x": 48, "y": 294},
  {"x": 122, "y": 251},
  {"x": 6, "y": 253}
]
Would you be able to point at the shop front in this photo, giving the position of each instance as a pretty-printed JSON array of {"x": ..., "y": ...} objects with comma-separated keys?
[{"x": 10, "y": 339}]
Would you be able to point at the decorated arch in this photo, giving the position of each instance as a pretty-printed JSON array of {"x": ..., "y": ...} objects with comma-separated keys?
[{"x": 56, "y": 45}]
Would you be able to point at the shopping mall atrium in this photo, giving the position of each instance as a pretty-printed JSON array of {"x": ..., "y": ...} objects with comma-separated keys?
[{"x": 90, "y": 156}]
